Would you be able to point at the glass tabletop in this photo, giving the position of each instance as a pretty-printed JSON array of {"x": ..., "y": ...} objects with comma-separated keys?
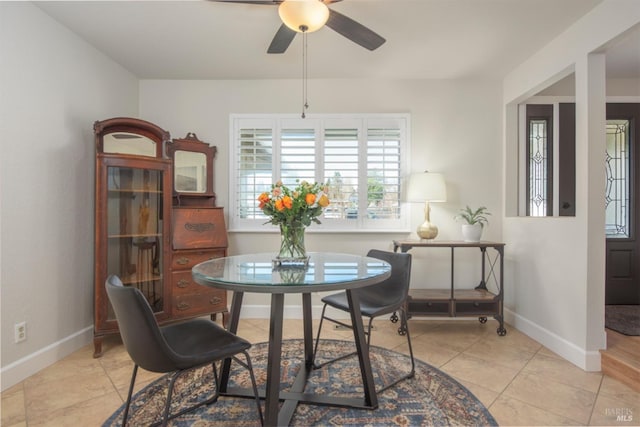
[{"x": 324, "y": 272}]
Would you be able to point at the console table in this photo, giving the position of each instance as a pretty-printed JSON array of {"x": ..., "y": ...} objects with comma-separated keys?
[{"x": 453, "y": 302}]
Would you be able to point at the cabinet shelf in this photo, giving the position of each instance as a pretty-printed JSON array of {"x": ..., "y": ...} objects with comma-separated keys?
[
  {"x": 133, "y": 191},
  {"x": 136, "y": 279},
  {"x": 135, "y": 236}
]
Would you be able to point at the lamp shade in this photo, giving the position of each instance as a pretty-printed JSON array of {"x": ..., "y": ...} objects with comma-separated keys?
[
  {"x": 426, "y": 187},
  {"x": 303, "y": 15}
]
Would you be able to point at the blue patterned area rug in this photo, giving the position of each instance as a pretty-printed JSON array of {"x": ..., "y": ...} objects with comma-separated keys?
[{"x": 431, "y": 398}]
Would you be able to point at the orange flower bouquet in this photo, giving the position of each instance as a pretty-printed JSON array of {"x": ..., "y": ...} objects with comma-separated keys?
[{"x": 293, "y": 210}]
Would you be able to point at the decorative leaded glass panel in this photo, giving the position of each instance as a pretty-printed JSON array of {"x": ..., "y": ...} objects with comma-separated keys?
[
  {"x": 538, "y": 167},
  {"x": 617, "y": 172}
]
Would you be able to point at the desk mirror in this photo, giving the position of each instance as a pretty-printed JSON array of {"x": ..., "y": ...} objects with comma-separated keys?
[{"x": 192, "y": 167}]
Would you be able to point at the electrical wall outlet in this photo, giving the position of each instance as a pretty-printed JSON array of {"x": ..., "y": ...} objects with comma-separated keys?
[{"x": 20, "y": 331}]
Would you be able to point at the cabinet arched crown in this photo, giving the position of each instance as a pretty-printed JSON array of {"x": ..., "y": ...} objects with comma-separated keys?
[{"x": 126, "y": 135}]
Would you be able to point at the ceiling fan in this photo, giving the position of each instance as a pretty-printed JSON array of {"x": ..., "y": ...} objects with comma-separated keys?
[{"x": 289, "y": 10}]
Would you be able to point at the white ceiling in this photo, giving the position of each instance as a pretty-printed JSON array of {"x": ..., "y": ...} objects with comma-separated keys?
[{"x": 425, "y": 38}]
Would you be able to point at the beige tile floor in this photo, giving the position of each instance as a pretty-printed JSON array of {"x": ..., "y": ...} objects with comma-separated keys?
[{"x": 520, "y": 381}]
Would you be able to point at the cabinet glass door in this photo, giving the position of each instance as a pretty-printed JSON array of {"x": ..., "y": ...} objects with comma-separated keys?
[{"x": 134, "y": 234}]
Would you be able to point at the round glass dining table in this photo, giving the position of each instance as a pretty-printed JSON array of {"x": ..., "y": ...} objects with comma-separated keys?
[{"x": 324, "y": 272}]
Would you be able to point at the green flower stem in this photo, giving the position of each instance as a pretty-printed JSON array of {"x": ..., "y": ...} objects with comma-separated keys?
[{"x": 292, "y": 247}]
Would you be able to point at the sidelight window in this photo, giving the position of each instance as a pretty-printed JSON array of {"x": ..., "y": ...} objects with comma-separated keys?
[
  {"x": 539, "y": 160},
  {"x": 617, "y": 173}
]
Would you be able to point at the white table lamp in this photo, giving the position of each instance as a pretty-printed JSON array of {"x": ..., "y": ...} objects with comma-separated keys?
[{"x": 424, "y": 188}]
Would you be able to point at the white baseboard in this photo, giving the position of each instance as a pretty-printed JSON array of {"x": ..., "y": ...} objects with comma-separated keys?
[
  {"x": 21, "y": 369},
  {"x": 586, "y": 360},
  {"x": 35, "y": 362}
]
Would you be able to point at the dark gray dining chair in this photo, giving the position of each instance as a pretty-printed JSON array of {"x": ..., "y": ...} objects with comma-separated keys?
[
  {"x": 386, "y": 297},
  {"x": 175, "y": 348}
]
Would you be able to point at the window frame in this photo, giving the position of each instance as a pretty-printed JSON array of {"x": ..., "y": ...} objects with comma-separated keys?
[{"x": 320, "y": 122}]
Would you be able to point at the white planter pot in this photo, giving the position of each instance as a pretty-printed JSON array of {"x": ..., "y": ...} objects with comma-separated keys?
[{"x": 471, "y": 233}]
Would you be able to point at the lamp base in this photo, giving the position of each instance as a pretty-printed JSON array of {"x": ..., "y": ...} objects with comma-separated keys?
[{"x": 427, "y": 231}]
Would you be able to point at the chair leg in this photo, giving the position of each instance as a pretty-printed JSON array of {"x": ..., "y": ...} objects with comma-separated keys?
[
  {"x": 411, "y": 374},
  {"x": 168, "y": 416},
  {"x": 315, "y": 347},
  {"x": 337, "y": 322},
  {"x": 254, "y": 385},
  {"x": 369, "y": 333},
  {"x": 167, "y": 406},
  {"x": 215, "y": 379},
  {"x": 404, "y": 317},
  {"x": 126, "y": 408}
]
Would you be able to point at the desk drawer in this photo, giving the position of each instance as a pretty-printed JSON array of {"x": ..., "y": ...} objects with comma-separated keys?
[
  {"x": 182, "y": 283},
  {"x": 418, "y": 307},
  {"x": 212, "y": 301},
  {"x": 477, "y": 307},
  {"x": 185, "y": 260}
]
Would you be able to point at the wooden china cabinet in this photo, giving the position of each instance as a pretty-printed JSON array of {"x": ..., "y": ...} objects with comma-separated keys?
[{"x": 136, "y": 224}]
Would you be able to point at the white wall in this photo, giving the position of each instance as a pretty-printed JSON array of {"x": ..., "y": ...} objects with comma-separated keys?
[
  {"x": 557, "y": 264},
  {"x": 455, "y": 130},
  {"x": 53, "y": 86}
]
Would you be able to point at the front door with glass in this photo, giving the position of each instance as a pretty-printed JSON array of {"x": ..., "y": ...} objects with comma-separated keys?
[{"x": 622, "y": 198}]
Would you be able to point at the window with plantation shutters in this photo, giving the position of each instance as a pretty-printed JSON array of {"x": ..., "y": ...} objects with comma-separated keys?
[{"x": 360, "y": 158}]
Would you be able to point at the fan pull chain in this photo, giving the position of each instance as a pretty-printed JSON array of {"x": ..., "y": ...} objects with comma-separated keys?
[{"x": 305, "y": 72}]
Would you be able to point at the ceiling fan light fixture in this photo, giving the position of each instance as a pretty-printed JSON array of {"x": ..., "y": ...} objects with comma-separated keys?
[{"x": 304, "y": 16}]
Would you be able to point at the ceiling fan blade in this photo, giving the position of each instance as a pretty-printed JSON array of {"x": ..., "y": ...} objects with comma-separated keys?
[
  {"x": 354, "y": 31},
  {"x": 281, "y": 40}
]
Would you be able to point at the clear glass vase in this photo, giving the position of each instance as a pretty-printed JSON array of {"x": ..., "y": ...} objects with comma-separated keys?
[{"x": 292, "y": 250}]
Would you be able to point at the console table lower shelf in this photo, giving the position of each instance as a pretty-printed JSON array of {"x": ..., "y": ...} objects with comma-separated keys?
[{"x": 463, "y": 303}]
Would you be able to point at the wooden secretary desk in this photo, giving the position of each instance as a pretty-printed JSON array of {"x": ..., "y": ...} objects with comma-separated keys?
[{"x": 155, "y": 217}]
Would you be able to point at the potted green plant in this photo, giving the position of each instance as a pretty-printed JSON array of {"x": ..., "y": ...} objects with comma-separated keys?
[{"x": 475, "y": 220}]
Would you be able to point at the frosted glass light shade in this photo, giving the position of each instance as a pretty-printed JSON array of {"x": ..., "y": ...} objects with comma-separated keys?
[
  {"x": 303, "y": 15},
  {"x": 426, "y": 186}
]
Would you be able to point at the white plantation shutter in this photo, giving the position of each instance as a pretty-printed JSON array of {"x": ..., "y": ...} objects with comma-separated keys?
[
  {"x": 383, "y": 172},
  {"x": 341, "y": 171},
  {"x": 254, "y": 170},
  {"x": 297, "y": 156},
  {"x": 361, "y": 159}
]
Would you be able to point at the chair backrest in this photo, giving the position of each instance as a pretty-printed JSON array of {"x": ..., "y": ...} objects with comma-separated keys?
[
  {"x": 139, "y": 329},
  {"x": 394, "y": 290}
]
